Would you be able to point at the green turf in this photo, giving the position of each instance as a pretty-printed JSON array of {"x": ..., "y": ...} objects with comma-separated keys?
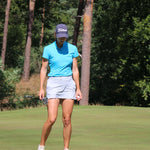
[{"x": 94, "y": 128}]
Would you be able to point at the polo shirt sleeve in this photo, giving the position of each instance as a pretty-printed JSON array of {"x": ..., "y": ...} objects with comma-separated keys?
[
  {"x": 76, "y": 54},
  {"x": 45, "y": 53}
]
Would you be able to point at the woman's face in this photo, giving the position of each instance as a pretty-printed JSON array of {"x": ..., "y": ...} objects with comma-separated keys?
[{"x": 61, "y": 40}]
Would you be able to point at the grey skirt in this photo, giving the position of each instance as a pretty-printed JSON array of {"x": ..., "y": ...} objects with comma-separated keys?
[{"x": 61, "y": 88}]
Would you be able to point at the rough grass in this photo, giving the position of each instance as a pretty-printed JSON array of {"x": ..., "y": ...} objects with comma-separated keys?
[{"x": 94, "y": 128}]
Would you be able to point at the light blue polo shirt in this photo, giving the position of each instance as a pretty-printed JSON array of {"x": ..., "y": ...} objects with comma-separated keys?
[{"x": 60, "y": 59}]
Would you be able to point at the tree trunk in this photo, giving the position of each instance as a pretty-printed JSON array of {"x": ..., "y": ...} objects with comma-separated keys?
[
  {"x": 3, "y": 53},
  {"x": 86, "y": 49},
  {"x": 43, "y": 19},
  {"x": 29, "y": 41},
  {"x": 77, "y": 23}
]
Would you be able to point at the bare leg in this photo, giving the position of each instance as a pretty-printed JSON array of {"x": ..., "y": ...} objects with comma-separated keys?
[
  {"x": 52, "y": 108},
  {"x": 67, "y": 106}
]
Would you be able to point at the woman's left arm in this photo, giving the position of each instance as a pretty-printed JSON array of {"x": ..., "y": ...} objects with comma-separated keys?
[{"x": 75, "y": 71}]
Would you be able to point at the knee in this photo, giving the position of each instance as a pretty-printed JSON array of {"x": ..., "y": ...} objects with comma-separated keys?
[
  {"x": 66, "y": 121},
  {"x": 51, "y": 121}
]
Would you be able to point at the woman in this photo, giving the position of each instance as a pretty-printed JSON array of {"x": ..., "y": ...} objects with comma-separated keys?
[{"x": 62, "y": 84}]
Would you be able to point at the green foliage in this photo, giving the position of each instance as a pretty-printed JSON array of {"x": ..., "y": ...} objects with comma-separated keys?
[
  {"x": 36, "y": 59},
  {"x": 120, "y": 53},
  {"x": 16, "y": 37},
  {"x": 60, "y": 11},
  {"x": 121, "y": 48},
  {"x": 8, "y": 80},
  {"x": 141, "y": 36},
  {"x": 2, "y": 20},
  {"x": 26, "y": 101},
  {"x": 144, "y": 86},
  {"x": 15, "y": 45}
]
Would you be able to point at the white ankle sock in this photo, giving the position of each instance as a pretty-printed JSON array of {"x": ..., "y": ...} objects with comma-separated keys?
[{"x": 66, "y": 149}]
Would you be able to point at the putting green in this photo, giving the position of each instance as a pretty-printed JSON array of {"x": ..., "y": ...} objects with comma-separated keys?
[{"x": 94, "y": 128}]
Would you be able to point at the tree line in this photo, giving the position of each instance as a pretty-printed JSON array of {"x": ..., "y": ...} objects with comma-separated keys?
[{"x": 120, "y": 46}]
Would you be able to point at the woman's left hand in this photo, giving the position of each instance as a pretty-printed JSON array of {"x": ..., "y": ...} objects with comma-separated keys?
[{"x": 78, "y": 95}]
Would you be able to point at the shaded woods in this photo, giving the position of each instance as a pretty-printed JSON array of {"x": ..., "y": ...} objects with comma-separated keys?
[{"x": 120, "y": 46}]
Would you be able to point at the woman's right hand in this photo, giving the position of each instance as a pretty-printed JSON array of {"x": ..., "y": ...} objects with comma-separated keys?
[{"x": 41, "y": 94}]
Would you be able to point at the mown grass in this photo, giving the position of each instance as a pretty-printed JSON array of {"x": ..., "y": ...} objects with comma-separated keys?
[{"x": 94, "y": 128}]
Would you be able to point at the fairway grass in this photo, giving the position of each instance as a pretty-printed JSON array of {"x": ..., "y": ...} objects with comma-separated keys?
[{"x": 94, "y": 128}]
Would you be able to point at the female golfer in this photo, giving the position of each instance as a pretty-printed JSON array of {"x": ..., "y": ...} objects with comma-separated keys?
[{"x": 62, "y": 84}]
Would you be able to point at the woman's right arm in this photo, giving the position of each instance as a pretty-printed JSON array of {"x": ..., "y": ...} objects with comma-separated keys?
[{"x": 42, "y": 77}]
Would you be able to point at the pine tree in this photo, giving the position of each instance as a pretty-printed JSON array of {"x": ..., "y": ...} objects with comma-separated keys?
[
  {"x": 86, "y": 48},
  {"x": 5, "y": 33},
  {"x": 29, "y": 41}
]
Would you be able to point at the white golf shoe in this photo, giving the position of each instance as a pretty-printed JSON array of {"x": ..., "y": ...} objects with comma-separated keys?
[{"x": 41, "y": 147}]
